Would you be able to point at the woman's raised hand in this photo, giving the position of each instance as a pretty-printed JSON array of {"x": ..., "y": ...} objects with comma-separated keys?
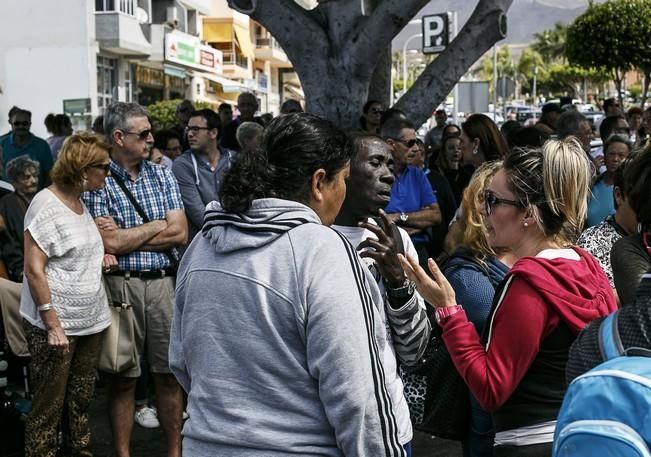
[{"x": 438, "y": 291}]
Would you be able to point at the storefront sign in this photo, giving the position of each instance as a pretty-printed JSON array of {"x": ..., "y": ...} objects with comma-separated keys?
[
  {"x": 187, "y": 50},
  {"x": 76, "y": 106}
]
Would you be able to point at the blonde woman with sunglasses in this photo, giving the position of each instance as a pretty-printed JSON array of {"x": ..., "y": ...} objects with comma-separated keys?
[{"x": 535, "y": 206}]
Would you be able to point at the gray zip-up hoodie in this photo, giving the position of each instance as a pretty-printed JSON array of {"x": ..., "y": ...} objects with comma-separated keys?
[{"x": 277, "y": 342}]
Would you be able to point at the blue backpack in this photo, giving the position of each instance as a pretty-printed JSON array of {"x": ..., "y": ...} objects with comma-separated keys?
[{"x": 607, "y": 411}]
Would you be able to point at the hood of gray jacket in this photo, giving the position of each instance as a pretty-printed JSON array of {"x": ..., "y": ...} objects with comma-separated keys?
[{"x": 264, "y": 222}]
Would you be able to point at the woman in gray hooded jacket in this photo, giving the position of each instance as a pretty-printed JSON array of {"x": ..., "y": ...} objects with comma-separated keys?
[{"x": 275, "y": 337}]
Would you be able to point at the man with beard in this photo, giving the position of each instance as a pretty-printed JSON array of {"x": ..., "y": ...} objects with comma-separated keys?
[
  {"x": 362, "y": 221},
  {"x": 200, "y": 170},
  {"x": 22, "y": 142}
]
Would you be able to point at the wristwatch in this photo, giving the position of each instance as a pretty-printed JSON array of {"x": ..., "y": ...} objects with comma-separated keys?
[
  {"x": 441, "y": 314},
  {"x": 403, "y": 216},
  {"x": 403, "y": 292}
]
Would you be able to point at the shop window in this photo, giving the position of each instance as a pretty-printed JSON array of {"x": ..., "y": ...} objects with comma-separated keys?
[{"x": 106, "y": 82}]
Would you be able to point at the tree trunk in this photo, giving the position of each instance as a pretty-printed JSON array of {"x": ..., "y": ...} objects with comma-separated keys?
[
  {"x": 343, "y": 56},
  {"x": 618, "y": 87},
  {"x": 645, "y": 87},
  {"x": 380, "y": 87},
  {"x": 335, "y": 94}
]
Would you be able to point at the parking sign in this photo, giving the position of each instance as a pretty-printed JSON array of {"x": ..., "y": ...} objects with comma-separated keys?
[{"x": 436, "y": 33}]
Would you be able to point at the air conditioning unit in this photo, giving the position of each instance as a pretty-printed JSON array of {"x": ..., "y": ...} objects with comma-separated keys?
[{"x": 172, "y": 16}]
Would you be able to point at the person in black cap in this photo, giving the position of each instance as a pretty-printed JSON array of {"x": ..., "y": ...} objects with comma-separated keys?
[{"x": 548, "y": 121}]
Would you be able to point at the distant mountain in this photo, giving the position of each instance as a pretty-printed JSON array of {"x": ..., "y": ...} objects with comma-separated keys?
[{"x": 525, "y": 17}]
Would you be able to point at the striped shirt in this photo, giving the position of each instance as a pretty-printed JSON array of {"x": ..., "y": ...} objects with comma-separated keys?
[{"x": 156, "y": 190}]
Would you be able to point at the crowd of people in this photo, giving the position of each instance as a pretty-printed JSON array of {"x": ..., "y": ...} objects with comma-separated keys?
[{"x": 285, "y": 275}]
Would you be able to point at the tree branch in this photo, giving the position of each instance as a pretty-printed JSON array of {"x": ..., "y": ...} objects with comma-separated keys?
[
  {"x": 485, "y": 27},
  {"x": 294, "y": 27},
  {"x": 388, "y": 18}
]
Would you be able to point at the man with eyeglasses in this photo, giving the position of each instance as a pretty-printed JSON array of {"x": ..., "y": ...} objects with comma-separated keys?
[
  {"x": 22, "y": 142},
  {"x": 201, "y": 169},
  {"x": 413, "y": 205},
  {"x": 247, "y": 104},
  {"x": 140, "y": 217}
]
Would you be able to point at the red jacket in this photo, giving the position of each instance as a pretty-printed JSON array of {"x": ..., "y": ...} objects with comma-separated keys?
[{"x": 536, "y": 294}]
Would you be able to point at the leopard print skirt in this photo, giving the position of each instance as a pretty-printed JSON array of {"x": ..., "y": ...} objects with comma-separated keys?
[{"x": 62, "y": 387}]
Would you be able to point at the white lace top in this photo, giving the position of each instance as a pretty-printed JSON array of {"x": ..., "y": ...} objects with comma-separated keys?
[{"x": 74, "y": 249}]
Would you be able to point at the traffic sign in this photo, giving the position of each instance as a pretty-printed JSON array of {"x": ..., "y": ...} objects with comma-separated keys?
[{"x": 436, "y": 33}]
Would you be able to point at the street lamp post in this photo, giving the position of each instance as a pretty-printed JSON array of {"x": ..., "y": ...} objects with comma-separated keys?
[{"x": 404, "y": 61}]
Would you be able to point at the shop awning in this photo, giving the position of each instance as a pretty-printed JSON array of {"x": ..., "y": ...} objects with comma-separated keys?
[
  {"x": 244, "y": 40},
  {"x": 229, "y": 86},
  {"x": 218, "y": 32},
  {"x": 226, "y": 32}
]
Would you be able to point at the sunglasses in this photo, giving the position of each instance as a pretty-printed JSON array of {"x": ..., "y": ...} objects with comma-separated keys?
[
  {"x": 490, "y": 200},
  {"x": 105, "y": 167},
  {"x": 141, "y": 135},
  {"x": 409, "y": 143},
  {"x": 375, "y": 111},
  {"x": 21, "y": 123}
]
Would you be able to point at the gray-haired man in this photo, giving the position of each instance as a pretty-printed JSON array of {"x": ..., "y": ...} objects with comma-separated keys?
[{"x": 145, "y": 246}]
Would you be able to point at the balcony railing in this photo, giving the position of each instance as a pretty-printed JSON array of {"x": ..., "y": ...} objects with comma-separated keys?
[
  {"x": 267, "y": 42},
  {"x": 122, "y": 6},
  {"x": 235, "y": 58}
]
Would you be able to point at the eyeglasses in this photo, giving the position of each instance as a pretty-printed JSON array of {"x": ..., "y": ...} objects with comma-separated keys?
[
  {"x": 375, "y": 111},
  {"x": 141, "y": 135},
  {"x": 409, "y": 143},
  {"x": 21, "y": 123},
  {"x": 195, "y": 129},
  {"x": 105, "y": 167},
  {"x": 490, "y": 200}
]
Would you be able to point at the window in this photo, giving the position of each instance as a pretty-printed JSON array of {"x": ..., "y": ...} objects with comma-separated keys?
[{"x": 106, "y": 82}]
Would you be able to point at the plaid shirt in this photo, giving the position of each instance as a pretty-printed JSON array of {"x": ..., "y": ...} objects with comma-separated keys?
[{"x": 157, "y": 192}]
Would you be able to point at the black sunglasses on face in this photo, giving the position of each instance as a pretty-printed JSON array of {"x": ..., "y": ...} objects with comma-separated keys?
[
  {"x": 490, "y": 200},
  {"x": 375, "y": 111},
  {"x": 409, "y": 143},
  {"x": 21, "y": 123},
  {"x": 141, "y": 135}
]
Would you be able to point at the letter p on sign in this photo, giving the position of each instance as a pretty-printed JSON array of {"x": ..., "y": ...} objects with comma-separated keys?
[{"x": 436, "y": 33}]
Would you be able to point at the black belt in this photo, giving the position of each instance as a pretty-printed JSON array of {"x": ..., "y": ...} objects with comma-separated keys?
[{"x": 144, "y": 274}]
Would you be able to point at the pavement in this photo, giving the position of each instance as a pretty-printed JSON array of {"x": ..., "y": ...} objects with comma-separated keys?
[{"x": 151, "y": 442}]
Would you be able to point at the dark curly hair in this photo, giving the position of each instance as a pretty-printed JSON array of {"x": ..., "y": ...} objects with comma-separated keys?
[{"x": 294, "y": 147}]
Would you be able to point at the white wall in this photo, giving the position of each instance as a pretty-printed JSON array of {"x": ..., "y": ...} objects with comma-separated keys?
[{"x": 47, "y": 54}]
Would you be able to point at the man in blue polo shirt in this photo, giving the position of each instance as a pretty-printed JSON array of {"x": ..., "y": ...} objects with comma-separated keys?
[
  {"x": 413, "y": 204},
  {"x": 22, "y": 142}
]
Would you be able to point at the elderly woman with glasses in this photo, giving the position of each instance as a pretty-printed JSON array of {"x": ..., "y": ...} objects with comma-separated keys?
[
  {"x": 535, "y": 206},
  {"x": 63, "y": 302},
  {"x": 23, "y": 175}
]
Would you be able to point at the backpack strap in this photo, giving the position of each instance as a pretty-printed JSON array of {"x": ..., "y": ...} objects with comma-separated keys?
[{"x": 610, "y": 344}]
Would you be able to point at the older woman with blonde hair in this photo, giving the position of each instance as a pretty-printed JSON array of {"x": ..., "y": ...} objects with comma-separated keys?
[
  {"x": 63, "y": 302},
  {"x": 535, "y": 206}
]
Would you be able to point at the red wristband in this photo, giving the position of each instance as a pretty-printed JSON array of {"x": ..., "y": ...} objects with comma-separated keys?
[{"x": 441, "y": 314}]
